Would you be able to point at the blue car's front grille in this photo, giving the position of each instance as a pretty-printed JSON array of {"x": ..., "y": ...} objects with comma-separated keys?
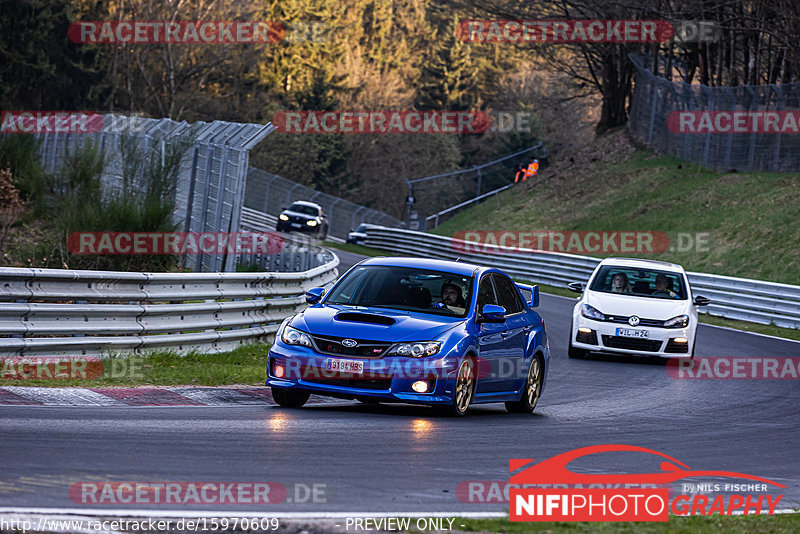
[
  {"x": 362, "y": 349},
  {"x": 373, "y": 381},
  {"x": 362, "y": 383}
]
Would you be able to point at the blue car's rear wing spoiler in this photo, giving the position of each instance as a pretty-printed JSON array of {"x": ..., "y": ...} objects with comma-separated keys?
[{"x": 533, "y": 290}]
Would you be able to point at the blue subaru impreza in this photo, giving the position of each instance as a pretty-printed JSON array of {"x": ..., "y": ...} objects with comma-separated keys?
[{"x": 414, "y": 330}]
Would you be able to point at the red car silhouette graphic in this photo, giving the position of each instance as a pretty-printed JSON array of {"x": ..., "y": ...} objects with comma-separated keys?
[{"x": 554, "y": 470}]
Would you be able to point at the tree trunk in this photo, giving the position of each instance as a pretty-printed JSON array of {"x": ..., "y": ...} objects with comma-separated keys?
[{"x": 616, "y": 82}]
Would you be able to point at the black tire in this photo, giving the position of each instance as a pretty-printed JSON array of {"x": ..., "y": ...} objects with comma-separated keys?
[
  {"x": 464, "y": 390},
  {"x": 574, "y": 352},
  {"x": 290, "y": 398},
  {"x": 323, "y": 233},
  {"x": 532, "y": 391}
]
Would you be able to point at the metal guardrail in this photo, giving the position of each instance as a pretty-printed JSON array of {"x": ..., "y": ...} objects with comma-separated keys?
[
  {"x": 64, "y": 313},
  {"x": 734, "y": 298}
]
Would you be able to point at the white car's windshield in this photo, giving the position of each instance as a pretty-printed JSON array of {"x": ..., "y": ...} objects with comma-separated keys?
[{"x": 639, "y": 282}]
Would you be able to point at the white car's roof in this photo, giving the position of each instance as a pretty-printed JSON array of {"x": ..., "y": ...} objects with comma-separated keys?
[{"x": 638, "y": 263}]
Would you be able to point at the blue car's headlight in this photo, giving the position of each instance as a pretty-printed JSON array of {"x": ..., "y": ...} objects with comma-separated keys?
[
  {"x": 592, "y": 313},
  {"x": 292, "y": 336},
  {"x": 417, "y": 349},
  {"x": 677, "y": 322}
]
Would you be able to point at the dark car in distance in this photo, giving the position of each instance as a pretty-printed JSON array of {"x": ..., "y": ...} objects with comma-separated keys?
[{"x": 303, "y": 216}]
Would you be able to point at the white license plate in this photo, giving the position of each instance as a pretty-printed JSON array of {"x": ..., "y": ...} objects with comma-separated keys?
[
  {"x": 345, "y": 366},
  {"x": 630, "y": 332},
  {"x": 297, "y": 225}
]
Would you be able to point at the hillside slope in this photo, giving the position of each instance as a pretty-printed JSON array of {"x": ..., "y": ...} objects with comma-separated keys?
[{"x": 751, "y": 218}]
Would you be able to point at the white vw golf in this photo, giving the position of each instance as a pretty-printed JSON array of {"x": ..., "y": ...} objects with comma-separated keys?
[{"x": 635, "y": 306}]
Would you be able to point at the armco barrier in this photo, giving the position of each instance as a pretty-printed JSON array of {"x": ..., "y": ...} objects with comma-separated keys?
[
  {"x": 63, "y": 313},
  {"x": 734, "y": 298}
]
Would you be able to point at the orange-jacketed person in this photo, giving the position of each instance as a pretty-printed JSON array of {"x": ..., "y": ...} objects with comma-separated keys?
[
  {"x": 533, "y": 168},
  {"x": 522, "y": 174}
]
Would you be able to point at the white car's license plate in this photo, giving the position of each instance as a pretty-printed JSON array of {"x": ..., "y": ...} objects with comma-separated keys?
[
  {"x": 345, "y": 366},
  {"x": 630, "y": 332},
  {"x": 297, "y": 225}
]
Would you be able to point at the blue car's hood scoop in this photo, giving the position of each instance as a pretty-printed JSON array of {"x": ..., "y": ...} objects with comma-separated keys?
[
  {"x": 366, "y": 318},
  {"x": 376, "y": 324}
]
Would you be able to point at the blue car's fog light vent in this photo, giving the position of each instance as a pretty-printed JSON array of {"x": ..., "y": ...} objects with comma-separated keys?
[{"x": 364, "y": 318}]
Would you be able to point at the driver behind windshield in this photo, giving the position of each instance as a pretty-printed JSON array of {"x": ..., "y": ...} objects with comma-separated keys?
[
  {"x": 663, "y": 286},
  {"x": 452, "y": 297}
]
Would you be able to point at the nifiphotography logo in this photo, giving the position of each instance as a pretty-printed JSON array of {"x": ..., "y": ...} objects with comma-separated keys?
[{"x": 549, "y": 491}]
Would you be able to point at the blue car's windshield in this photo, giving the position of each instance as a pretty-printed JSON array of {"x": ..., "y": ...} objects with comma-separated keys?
[{"x": 405, "y": 288}]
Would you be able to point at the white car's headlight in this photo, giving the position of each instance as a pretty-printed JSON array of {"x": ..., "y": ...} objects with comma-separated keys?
[
  {"x": 293, "y": 336},
  {"x": 416, "y": 350},
  {"x": 283, "y": 217},
  {"x": 592, "y": 313},
  {"x": 311, "y": 223},
  {"x": 677, "y": 322}
]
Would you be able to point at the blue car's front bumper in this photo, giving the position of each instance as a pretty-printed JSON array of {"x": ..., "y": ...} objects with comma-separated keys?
[{"x": 388, "y": 378}]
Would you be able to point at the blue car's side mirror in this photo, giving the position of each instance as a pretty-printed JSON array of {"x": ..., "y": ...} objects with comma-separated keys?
[
  {"x": 491, "y": 313},
  {"x": 314, "y": 294}
]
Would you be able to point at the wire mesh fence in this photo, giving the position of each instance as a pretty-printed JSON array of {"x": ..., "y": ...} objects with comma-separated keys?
[
  {"x": 717, "y": 127},
  {"x": 438, "y": 193},
  {"x": 270, "y": 193},
  {"x": 210, "y": 184}
]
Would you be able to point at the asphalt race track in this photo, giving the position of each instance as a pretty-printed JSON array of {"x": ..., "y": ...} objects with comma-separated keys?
[{"x": 404, "y": 459}]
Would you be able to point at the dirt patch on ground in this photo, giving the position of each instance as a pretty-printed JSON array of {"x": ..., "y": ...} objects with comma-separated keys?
[{"x": 573, "y": 176}]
